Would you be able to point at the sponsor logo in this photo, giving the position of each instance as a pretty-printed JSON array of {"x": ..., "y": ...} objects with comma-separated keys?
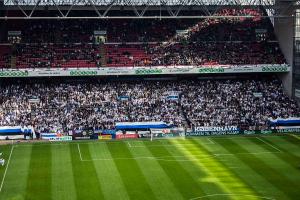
[
  {"x": 62, "y": 138},
  {"x": 249, "y": 132},
  {"x": 289, "y": 130},
  {"x": 275, "y": 69},
  {"x": 83, "y": 138},
  {"x": 148, "y": 71},
  {"x": 43, "y": 73},
  {"x": 207, "y": 128},
  {"x": 243, "y": 69},
  {"x": 207, "y": 133},
  {"x": 83, "y": 73},
  {"x": 266, "y": 132},
  {"x": 13, "y": 73},
  {"x": 118, "y": 72},
  {"x": 179, "y": 70},
  {"x": 127, "y": 136},
  {"x": 105, "y": 137},
  {"x": 168, "y": 135},
  {"x": 211, "y": 70}
]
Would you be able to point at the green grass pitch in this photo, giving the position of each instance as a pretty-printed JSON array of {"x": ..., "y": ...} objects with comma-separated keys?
[{"x": 225, "y": 167}]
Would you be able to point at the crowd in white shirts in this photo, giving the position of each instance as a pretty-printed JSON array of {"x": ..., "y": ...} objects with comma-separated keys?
[{"x": 71, "y": 106}]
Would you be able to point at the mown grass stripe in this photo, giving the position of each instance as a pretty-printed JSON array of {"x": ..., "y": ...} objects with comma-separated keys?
[
  {"x": 63, "y": 186},
  {"x": 224, "y": 177},
  {"x": 190, "y": 164},
  {"x": 107, "y": 172},
  {"x": 256, "y": 182},
  {"x": 16, "y": 178},
  {"x": 157, "y": 178},
  {"x": 84, "y": 173},
  {"x": 261, "y": 168},
  {"x": 39, "y": 177},
  {"x": 181, "y": 178},
  {"x": 288, "y": 140},
  {"x": 284, "y": 160},
  {"x": 292, "y": 139},
  {"x": 4, "y": 169},
  {"x": 132, "y": 176}
]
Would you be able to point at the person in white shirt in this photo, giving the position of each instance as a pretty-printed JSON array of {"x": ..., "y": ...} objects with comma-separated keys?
[{"x": 2, "y": 161}]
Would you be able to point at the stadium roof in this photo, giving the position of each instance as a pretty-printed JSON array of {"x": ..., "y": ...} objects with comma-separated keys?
[
  {"x": 140, "y": 2},
  {"x": 172, "y": 8}
]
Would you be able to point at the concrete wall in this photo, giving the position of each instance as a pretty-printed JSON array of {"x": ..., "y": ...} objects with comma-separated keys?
[{"x": 284, "y": 30}]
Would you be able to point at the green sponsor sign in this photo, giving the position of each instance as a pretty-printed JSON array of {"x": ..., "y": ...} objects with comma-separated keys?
[
  {"x": 244, "y": 132},
  {"x": 211, "y": 70},
  {"x": 289, "y": 130},
  {"x": 13, "y": 74},
  {"x": 275, "y": 69},
  {"x": 62, "y": 138},
  {"x": 83, "y": 73},
  {"x": 148, "y": 71}
]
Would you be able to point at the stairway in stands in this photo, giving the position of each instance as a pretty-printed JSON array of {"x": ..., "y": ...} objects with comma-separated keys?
[
  {"x": 13, "y": 61},
  {"x": 13, "y": 57},
  {"x": 103, "y": 55}
]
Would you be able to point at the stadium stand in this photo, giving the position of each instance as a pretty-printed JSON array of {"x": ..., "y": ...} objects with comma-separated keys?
[
  {"x": 5, "y": 51},
  {"x": 247, "y": 104},
  {"x": 226, "y": 41},
  {"x": 57, "y": 55}
]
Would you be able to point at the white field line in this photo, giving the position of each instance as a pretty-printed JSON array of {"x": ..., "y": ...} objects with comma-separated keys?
[
  {"x": 268, "y": 144},
  {"x": 129, "y": 144},
  {"x": 151, "y": 158},
  {"x": 211, "y": 141},
  {"x": 70, "y": 142},
  {"x": 242, "y": 195},
  {"x": 224, "y": 137},
  {"x": 158, "y": 145},
  {"x": 163, "y": 145},
  {"x": 79, "y": 152},
  {"x": 170, "y": 158},
  {"x": 249, "y": 153},
  {"x": 295, "y": 136},
  {"x": 2, "y": 183},
  {"x": 122, "y": 141}
]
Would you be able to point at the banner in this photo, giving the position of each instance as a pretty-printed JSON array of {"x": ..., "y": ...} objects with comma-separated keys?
[
  {"x": 245, "y": 132},
  {"x": 148, "y": 71},
  {"x": 123, "y": 70},
  {"x": 11, "y": 137},
  {"x": 140, "y": 125},
  {"x": 105, "y": 137},
  {"x": 126, "y": 136},
  {"x": 288, "y": 130},
  {"x": 82, "y": 138},
  {"x": 61, "y": 138},
  {"x": 14, "y": 33},
  {"x": 207, "y": 133},
  {"x": 212, "y": 128},
  {"x": 203, "y": 131}
]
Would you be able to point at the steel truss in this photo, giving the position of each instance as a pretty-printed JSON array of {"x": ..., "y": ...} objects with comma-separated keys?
[{"x": 140, "y": 8}]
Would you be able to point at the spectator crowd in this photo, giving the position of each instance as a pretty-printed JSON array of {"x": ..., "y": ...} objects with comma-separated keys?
[{"x": 247, "y": 104}]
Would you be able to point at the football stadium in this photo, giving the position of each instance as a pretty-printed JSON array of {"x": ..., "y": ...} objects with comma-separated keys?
[{"x": 149, "y": 99}]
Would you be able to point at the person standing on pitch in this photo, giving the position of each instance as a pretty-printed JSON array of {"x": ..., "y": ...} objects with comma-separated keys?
[{"x": 2, "y": 161}]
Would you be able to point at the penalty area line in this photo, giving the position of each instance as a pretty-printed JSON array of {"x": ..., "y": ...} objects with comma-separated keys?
[
  {"x": 4, "y": 175},
  {"x": 268, "y": 144},
  {"x": 211, "y": 141},
  {"x": 79, "y": 152},
  {"x": 129, "y": 144}
]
